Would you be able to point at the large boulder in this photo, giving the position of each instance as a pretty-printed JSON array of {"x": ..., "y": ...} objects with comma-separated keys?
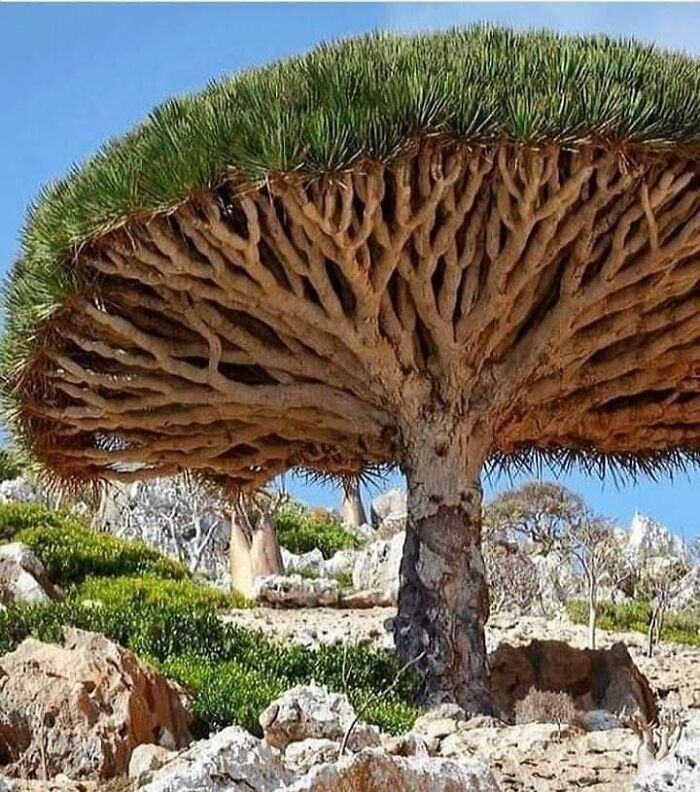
[
  {"x": 230, "y": 761},
  {"x": 596, "y": 679},
  {"x": 680, "y": 770},
  {"x": 389, "y": 507},
  {"x": 23, "y": 576},
  {"x": 377, "y": 567},
  {"x": 687, "y": 591},
  {"x": 81, "y": 708},
  {"x": 373, "y": 770},
  {"x": 310, "y": 711}
]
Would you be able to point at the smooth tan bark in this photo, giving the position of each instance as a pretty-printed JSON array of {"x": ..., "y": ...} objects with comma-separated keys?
[
  {"x": 253, "y": 553},
  {"x": 352, "y": 510}
]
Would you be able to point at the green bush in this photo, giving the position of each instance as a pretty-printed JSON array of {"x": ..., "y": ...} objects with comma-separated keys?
[
  {"x": 150, "y": 590},
  {"x": 71, "y": 551},
  {"x": 147, "y": 603},
  {"x": 233, "y": 672},
  {"x": 300, "y": 530},
  {"x": 635, "y": 615},
  {"x": 225, "y": 693}
]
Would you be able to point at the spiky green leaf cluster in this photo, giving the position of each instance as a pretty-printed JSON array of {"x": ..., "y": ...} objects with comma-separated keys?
[{"x": 322, "y": 111}]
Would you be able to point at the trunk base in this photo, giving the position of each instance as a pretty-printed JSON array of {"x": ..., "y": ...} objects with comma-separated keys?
[{"x": 444, "y": 605}]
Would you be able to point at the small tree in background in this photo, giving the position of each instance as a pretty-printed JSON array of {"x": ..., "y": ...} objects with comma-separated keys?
[
  {"x": 352, "y": 510},
  {"x": 519, "y": 524},
  {"x": 539, "y": 512},
  {"x": 513, "y": 578},
  {"x": 596, "y": 549},
  {"x": 658, "y": 582}
]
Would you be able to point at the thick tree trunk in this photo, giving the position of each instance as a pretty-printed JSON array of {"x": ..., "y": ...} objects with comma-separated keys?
[
  {"x": 443, "y": 597},
  {"x": 254, "y": 552},
  {"x": 352, "y": 510}
]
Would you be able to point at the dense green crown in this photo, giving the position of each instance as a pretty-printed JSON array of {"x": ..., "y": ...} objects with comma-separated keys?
[{"x": 324, "y": 110}]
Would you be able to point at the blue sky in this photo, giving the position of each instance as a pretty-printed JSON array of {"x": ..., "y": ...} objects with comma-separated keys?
[{"x": 75, "y": 75}]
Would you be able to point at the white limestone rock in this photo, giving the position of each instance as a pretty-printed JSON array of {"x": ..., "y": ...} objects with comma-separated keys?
[
  {"x": 147, "y": 758},
  {"x": 377, "y": 567},
  {"x": 230, "y": 761},
  {"x": 295, "y": 591},
  {"x": 390, "y": 506},
  {"x": 24, "y": 577},
  {"x": 311, "y": 711},
  {"x": 305, "y": 754}
]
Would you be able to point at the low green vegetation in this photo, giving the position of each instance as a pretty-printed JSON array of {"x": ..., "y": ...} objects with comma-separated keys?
[
  {"x": 151, "y": 605},
  {"x": 679, "y": 626},
  {"x": 72, "y": 551},
  {"x": 301, "y": 530}
]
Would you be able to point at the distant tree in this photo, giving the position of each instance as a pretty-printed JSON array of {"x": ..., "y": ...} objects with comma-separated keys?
[
  {"x": 512, "y": 576},
  {"x": 255, "y": 550},
  {"x": 540, "y": 512},
  {"x": 596, "y": 549},
  {"x": 658, "y": 582}
]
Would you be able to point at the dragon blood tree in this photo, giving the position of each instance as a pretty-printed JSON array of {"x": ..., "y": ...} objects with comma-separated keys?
[{"x": 440, "y": 252}]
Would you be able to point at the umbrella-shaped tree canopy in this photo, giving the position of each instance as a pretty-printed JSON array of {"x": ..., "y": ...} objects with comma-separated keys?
[{"x": 429, "y": 251}]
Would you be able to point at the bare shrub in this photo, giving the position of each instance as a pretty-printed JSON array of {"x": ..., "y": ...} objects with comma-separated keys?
[{"x": 548, "y": 706}]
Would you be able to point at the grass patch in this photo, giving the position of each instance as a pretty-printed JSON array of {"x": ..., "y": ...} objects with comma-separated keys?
[
  {"x": 634, "y": 616},
  {"x": 71, "y": 551}
]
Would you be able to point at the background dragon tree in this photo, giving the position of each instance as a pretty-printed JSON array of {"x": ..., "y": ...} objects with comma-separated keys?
[{"x": 438, "y": 252}]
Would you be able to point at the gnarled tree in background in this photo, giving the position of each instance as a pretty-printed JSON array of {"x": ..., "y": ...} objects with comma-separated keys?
[{"x": 436, "y": 252}]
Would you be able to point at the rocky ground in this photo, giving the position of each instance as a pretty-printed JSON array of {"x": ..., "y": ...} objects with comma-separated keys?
[
  {"x": 530, "y": 758},
  {"x": 674, "y": 667}
]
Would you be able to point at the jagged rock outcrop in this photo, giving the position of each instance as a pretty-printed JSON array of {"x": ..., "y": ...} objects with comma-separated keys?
[
  {"x": 652, "y": 541},
  {"x": 310, "y": 711},
  {"x": 81, "y": 708},
  {"x": 596, "y": 679},
  {"x": 377, "y": 567},
  {"x": 373, "y": 770},
  {"x": 23, "y": 578},
  {"x": 687, "y": 590}
]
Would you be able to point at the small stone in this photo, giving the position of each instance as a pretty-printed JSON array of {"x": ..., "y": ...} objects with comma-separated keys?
[
  {"x": 304, "y": 754},
  {"x": 146, "y": 758},
  {"x": 405, "y": 745}
]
